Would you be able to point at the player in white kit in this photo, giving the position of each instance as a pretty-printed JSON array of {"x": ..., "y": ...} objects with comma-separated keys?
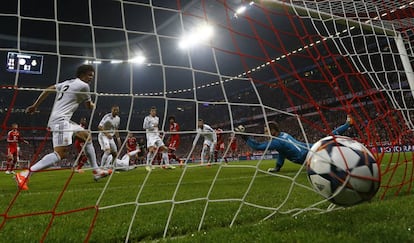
[
  {"x": 108, "y": 128},
  {"x": 123, "y": 163},
  {"x": 210, "y": 140},
  {"x": 69, "y": 94},
  {"x": 154, "y": 141}
]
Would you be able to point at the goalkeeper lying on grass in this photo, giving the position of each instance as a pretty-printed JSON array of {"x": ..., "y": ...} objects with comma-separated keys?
[{"x": 287, "y": 146}]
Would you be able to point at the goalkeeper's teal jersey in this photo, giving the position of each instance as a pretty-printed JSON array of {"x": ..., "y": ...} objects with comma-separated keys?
[{"x": 287, "y": 146}]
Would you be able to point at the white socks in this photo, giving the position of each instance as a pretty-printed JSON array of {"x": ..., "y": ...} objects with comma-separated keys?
[
  {"x": 47, "y": 161},
  {"x": 91, "y": 155}
]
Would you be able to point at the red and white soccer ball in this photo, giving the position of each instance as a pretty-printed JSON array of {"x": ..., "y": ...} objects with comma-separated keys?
[{"x": 343, "y": 170}]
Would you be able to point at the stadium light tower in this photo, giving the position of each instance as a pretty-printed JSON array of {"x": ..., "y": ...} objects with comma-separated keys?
[{"x": 200, "y": 34}]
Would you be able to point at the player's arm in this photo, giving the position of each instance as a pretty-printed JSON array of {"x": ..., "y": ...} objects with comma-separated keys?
[
  {"x": 260, "y": 146},
  {"x": 23, "y": 141},
  {"x": 101, "y": 128},
  {"x": 106, "y": 133},
  {"x": 9, "y": 138},
  {"x": 147, "y": 124},
  {"x": 89, "y": 104},
  {"x": 280, "y": 160},
  {"x": 31, "y": 109}
]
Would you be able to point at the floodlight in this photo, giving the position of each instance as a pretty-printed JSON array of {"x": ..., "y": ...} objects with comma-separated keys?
[{"x": 140, "y": 59}]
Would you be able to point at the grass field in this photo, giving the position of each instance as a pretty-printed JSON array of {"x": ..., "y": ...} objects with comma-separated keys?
[{"x": 207, "y": 198}]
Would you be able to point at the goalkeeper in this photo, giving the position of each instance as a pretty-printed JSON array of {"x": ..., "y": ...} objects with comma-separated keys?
[{"x": 287, "y": 146}]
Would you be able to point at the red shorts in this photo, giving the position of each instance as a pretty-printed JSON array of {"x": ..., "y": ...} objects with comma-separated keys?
[
  {"x": 131, "y": 149},
  {"x": 12, "y": 150},
  {"x": 79, "y": 144},
  {"x": 220, "y": 146},
  {"x": 174, "y": 143},
  {"x": 233, "y": 147}
]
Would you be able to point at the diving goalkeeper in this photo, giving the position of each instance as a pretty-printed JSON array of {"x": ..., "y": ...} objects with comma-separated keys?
[{"x": 287, "y": 146}]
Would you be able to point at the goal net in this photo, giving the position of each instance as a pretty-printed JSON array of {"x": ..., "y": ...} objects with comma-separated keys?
[{"x": 304, "y": 64}]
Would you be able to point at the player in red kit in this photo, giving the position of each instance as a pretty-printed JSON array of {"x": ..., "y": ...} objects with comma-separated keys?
[
  {"x": 13, "y": 139},
  {"x": 174, "y": 138},
  {"x": 220, "y": 147},
  {"x": 131, "y": 145},
  {"x": 79, "y": 145}
]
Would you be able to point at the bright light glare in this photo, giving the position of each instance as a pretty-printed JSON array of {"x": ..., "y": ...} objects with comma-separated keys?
[
  {"x": 116, "y": 61},
  {"x": 202, "y": 33},
  {"x": 241, "y": 10},
  {"x": 138, "y": 59}
]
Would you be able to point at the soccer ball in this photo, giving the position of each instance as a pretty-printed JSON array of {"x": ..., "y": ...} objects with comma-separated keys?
[
  {"x": 240, "y": 128},
  {"x": 343, "y": 170}
]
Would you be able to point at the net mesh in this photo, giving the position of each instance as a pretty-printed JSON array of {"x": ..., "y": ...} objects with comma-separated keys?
[{"x": 304, "y": 64}]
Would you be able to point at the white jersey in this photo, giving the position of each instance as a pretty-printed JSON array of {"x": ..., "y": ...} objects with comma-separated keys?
[
  {"x": 69, "y": 95},
  {"x": 110, "y": 123},
  {"x": 208, "y": 133},
  {"x": 151, "y": 125}
]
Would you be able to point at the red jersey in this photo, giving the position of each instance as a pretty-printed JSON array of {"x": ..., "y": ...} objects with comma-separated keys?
[
  {"x": 174, "y": 137},
  {"x": 13, "y": 138},
  {"x": 131, "y": 143}
]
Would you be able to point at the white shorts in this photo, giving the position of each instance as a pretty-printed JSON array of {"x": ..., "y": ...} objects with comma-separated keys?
[
  {"x": 107, "y": 143},
  {"x": 62, "y": 132},
  {"x": 210, "y": 144},
  {"x": 154, "y": 141}
]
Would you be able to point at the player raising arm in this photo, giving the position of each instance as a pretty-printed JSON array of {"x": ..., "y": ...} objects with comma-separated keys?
[
  {"x": 287, "y": 146},
  {"x": 210, "y": 140},
  {"x": 69, "y": 94},
  {"x": 108, "y": 128}
]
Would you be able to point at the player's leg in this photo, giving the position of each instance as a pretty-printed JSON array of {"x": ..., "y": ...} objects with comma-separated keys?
[
  {"x": 211, "y": 154},
  {"x": 204, "y": 152},
  {"x": 114, "y": 152},
  {"x": 90, "y": 152},
  {"x": 165, "y": 158},
  {"x": 172, "y": 147},
  {"x": 9, "y": 160},
  {"x": 15, "y": 158},
  {"x": 344, "y": 127},
  {"x": 89, "y": 148},
  {"x": 105, "y": 147},
  {"x": 62, "y": 137}
]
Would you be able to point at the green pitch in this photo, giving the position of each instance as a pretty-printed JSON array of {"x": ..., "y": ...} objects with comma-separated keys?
[{"x": 201, "y": 209}]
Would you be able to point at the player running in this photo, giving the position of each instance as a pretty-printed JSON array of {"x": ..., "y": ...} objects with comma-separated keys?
[
  {"x": 154, "y": 141},
  {"x": 108, "y": 128},
  {"x": 287, "y": 146},
  {"x": 13, "y": 140},
  {"x": 210, "y": 140},
  {"x": 69, "y": 94}
]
